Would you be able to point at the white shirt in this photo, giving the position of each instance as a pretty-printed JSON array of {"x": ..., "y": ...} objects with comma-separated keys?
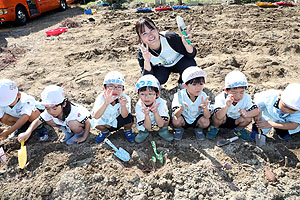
[
  {"x": 24, "y": 106},
  {"x": 193, "y": 110},
  {"x": 140, "y": 116},
  {"x": 267, "y": 101},
  {"x": 111, "y": 113},
  {"x": 233, "y": 111},
  {"x": 78, "y": 112}
]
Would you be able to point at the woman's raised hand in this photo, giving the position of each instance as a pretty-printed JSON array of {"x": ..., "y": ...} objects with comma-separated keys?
[
  {"x": 188, "y": 47},
  {"x": 145, "y": 52}
]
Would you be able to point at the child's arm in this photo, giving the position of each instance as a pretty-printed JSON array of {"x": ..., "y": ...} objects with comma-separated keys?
[
  {"x": 178, "y": 112},
  {"x": 283, "y": 126},
  {"x": 220, "y": 114},
  {"x": 124, "y": 111},
  {"x": 31, "y": 128},
  {"x": 147, "y": 121},
  {"x": 249, "y": 113},
  {"x": 204, "y": 106},
  {"x": 108, "y": 99},
  {"x": 159, "y": 120},
  {"x": 19, "y": 123}
]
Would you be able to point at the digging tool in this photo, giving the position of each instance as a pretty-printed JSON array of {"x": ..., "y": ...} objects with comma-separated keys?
[
  {"x": 120, "y": 153},
  {"x": 260, "y": 138},
  {"x": 2, "y": 155},
  {"x": 22, "y": 155},
  {"x": 224, "y": 142},
  {"x": 158, "y": 155},
  {"x": 182, "y": 27}
]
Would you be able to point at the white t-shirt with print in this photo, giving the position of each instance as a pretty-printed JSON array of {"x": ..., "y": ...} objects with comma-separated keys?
[
  {"x": 266, "y": 101},
  {"x": 111, "y": 113},
  {"x": 193, "y": 110},
  {"x": 78, "y": 112},
  {"x": 140, "y": 116},
  {"x": 233, "y": 111},
  {"x": 25, "y": 105}
]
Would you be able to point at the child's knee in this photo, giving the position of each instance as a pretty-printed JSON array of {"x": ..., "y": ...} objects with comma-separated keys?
[
  {"x": 128, "y": 126},
  {"x": 178, "y": 122},
  {"x": 75, "y": 126},
  {"x": 101, "y": 127},
  {"x": 203, "y": 122}
]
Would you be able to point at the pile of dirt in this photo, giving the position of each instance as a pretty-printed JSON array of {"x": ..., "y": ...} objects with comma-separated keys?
[{"x": 263, "y": 43}]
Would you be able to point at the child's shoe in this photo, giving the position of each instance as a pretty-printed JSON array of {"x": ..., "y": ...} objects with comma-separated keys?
[
  {"x": 100, "y": 138},
  {"x": 199, "y": 134},
  {"x": 43, "y": 134},
  {"x": 129, "y": 135},
  {"x": 284, "y": 137},
  {"x": 67, "y": 135},
  {"x": 212, "y": 132},
  {"x": 165, "y": 134},
  {"x": 141, "y": 136},
  {"x": 243, "y": 134},
  {"x": 178, "y": 133}
]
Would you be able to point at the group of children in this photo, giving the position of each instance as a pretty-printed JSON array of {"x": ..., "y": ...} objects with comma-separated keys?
[{"x": 233, "y": 109}]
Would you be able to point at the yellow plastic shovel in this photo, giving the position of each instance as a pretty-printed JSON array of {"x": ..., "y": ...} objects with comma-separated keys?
[{"x": 22, "y": 155}]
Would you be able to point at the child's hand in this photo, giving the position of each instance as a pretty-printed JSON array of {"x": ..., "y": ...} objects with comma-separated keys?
[
  {"x": 204, "y": 103},
  {"x": 145, "y": 52},
  {"x": 23, "y": 136},
  {"x": 229, "y": 100},
  {"x": 263, "y": 124},
  {"x": 145, "y": 109},
  {"x": 108, "y": 97},
  {"x": 123, "y": 101},
  {"x": 243, "y": 113},
  {"x": 189, "y": 48},
  {"x": 154, "y": 108},
  {"x": 3, "y": 133}
]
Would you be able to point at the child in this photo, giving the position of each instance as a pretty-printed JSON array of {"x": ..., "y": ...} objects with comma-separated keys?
[
  {"x": 17, "y": 110},
  {"x": 112, "y": 108},
  {"x": 190, "y": 105},
  {"x": 71, "y": 118},
  {"x": 151, "y": 110},
  {"x": 233, "y": 108},
  {"x": 280, "y": 110}
]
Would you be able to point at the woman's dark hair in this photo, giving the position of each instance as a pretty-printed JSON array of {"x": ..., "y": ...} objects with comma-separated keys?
[
  {"x": 151, "y": 88},
  {"x": 141, "y": 23},
  {"x": 66, "y": 109},
  {"x": 200, "y": 80}
]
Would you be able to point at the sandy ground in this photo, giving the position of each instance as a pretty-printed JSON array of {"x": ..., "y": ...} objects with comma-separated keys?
[{"x": 263, "y": 43}]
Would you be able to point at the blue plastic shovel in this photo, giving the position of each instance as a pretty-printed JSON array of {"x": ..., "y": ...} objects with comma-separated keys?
[{"x": 120, "y": 153}]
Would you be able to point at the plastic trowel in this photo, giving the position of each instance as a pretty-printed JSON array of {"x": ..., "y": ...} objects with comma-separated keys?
[
  {"x": 22, "y": 155},
  {"x": 260, "y": 138},
  {"x": 120, "y": 153},
  {"x": 182, "y": 27},
  {"x": 224, "y": 142}
]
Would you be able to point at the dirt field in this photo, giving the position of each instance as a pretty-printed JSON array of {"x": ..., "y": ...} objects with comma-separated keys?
[{"x": 263, "y": 43}]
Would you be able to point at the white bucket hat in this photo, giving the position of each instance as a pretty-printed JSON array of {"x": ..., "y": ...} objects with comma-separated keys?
[
  {"x": 52, "y": 95},
  {"x": 191, "y": 73},
  {"x": 235, "y": 79},
  {"x": 8, "y": 92},
  {"x": 291, "y": 96},
  {"x": 114, "y": 77},
  {"x": 147, "y": 80}
]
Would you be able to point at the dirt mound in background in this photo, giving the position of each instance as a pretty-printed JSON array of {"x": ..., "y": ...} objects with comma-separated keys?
[{"x": 263, "y": 43}]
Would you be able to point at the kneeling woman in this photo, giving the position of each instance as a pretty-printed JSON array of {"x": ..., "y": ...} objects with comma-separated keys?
[
  {"x": 163, "y": 52},
  {"x": 71, "y": 118}
]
